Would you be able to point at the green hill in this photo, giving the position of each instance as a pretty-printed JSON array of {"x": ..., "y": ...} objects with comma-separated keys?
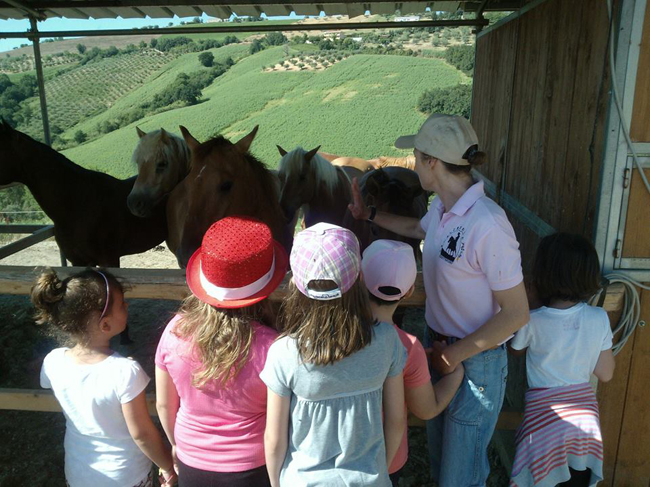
[
  {"x": 80, "y": 92},
  {"x": 356, "y": 107}
]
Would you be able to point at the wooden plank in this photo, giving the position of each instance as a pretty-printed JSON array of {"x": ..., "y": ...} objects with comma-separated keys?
[
  {"x": 150, "y": 283},
  {"x": 582, "y": 161},
  {"x": 640, "y": 126},
  {"x": 43, "y": 400},
  {"x": 492, "y": 97},
  {"x": 636, "y": 240},
  {"x": 14, "y": 229},
  {"x": 633, "y": 460},
  {"x": 23, "y": 243}
]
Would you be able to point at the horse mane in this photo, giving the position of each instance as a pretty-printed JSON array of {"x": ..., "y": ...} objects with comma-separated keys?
[
  {"x": 176, "y": 150},
  {"x": 326, "y": 173}
]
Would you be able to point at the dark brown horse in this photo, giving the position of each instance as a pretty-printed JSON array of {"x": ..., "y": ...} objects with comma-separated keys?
[
  {"x": 392, "y": 189},
  {"x": 312, "y": 183},
  {"x": 224, "y": 179},
  {"x": 92, "y": 224}
]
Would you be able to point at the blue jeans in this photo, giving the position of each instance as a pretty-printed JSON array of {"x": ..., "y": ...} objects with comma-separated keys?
[{"x": 458, "y": 438}]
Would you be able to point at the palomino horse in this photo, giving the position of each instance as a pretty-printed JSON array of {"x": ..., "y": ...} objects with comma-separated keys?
[
  {"x": 313, "y": 183},
  {"x": 355, "y": 162},
  {"x": 395, "y": 190},
  {"x": 163, "y": 160},
  {"x": 224, "y": 179},
  {"x": 92, "y": 224}
]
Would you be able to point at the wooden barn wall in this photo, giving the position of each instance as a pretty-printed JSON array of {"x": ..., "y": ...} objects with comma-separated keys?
[{"x": 540, "y": 101}]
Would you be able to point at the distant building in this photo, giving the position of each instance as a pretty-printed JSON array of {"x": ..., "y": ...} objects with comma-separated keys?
[
  {"x": 216, "y": 19},
  {"x": 409, "y": 18}
]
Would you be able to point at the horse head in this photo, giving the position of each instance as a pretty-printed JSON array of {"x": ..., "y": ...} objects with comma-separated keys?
[
  {"x": 224, "y": 179},
  {"x": 163, "y": 161},
  {"x": 394, "y": 190},
  {"x": 298, "y": 172}
]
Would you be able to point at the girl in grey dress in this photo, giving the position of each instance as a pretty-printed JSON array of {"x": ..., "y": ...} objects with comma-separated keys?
[{"x": 331, "y": 373}]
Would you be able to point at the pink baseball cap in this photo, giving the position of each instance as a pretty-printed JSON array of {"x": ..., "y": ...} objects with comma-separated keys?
[
  {"x": 325, "y": 252},
  {"x": 388, "y": 263}
]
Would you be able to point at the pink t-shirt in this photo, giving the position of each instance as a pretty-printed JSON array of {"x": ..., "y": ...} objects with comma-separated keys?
[
  {"x": 217, "y": 429},
  {"x": 416, "y": 373},
  {"x": 469, "y": 252}
]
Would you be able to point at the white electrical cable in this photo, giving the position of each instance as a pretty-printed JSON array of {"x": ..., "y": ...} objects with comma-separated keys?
[
  {"x": 631, "y": 308},
  {"x": 617, "y": 99}
]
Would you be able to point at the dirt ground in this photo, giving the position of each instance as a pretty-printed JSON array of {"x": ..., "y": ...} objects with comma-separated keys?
[{"x": 31, "y": 443}]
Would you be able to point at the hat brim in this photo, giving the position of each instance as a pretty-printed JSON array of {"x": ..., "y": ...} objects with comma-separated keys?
[
  {"x": 405, "y": 142},
  {"x": 194, "y": 281}
]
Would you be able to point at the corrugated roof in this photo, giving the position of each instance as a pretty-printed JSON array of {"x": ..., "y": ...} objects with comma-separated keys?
[{"x": 78, "y": 9}]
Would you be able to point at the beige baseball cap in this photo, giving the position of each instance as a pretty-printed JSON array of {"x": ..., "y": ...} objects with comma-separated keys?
[{"x": 445, "y": 137}]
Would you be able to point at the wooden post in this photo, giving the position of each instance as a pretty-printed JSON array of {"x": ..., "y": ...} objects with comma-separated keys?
[{"x": 41, "y": 81}]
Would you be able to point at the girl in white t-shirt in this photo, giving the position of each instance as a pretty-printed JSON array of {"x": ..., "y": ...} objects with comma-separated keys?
[
  {"x": 566, "y": 341},
  {"x": 110, "y": 439}
]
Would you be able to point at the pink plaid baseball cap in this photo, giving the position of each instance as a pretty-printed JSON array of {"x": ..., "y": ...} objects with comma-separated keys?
[
  {"x": 325, "y": 252},
  {"x": 388, "y": 263}
]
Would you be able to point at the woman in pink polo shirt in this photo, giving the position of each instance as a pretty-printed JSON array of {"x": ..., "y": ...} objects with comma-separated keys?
[
  {"x": 475, "y": 293},
  {"x": 210, "y": 399}
]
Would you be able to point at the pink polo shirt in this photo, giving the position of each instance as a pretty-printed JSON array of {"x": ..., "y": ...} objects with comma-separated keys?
[
  {"x": 469, "y": 252},
  {"x": 416, "y": 373},
  {"x": 217, "y": 429}
]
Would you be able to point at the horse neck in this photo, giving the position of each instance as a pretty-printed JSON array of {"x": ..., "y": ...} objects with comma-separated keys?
[
  {"x": 50, "y": 177},
  {"x": 323, "y": 199}
]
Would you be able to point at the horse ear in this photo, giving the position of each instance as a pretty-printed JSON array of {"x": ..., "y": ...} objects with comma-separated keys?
[
  {"x": 244, "y": 144},
  {"x": 163, "y": 135},
  {"x": 191, "y": 142},
  {"x": 282, "y": 151},
  {"x": 140, "y": 132},
  {"x": 310, "y": 155}
]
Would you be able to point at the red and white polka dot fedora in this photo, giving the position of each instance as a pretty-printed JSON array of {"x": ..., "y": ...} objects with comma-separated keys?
[{"x": 238, "y": 263}]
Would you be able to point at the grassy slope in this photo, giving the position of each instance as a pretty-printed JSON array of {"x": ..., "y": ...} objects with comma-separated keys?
[
  {"x": 357, "y": 107},
  {"x": 156, "y": 83}
]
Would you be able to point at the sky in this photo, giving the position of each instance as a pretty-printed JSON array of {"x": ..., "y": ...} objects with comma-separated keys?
[{"x": 55, "y": 24}]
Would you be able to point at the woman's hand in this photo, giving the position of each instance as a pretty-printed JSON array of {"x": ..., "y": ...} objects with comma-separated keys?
[
  {"x": 358, "y": 208},
  {"x": 439, "y": 362},
  {"x": 167, "y": 478}
]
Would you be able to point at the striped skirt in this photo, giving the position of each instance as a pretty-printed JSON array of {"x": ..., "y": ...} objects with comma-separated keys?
[{"x": 560, "y": 429}]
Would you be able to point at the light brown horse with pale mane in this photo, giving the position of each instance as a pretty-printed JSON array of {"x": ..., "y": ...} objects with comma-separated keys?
[
  {"x": 224, "y": 179},
  {"x": 311, "y": 182},
  {"x": 163, "y": 161}
]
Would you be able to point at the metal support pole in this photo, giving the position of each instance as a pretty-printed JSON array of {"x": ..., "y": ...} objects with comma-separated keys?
[
  {"x": 479, "y": 15},
  {"x": 41, "y": 81}
]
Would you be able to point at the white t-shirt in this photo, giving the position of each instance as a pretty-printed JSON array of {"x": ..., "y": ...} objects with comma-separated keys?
[
  {"x": 99, "y": 450},
  {"x": 563, "y": 344}
]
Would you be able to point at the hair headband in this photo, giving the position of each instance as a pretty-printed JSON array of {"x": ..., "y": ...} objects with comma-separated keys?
[{"x": 108, "y": 291}]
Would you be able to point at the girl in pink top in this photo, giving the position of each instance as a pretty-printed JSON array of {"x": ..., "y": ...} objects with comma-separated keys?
[{"x": 211, "y": 401}]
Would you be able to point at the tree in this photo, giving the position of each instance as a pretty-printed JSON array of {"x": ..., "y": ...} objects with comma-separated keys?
[
  {"x": 456, "y": 100},
  {"x": 275, "y": 39},
  {"x": 256, "y": 46},
  {"x": 153, "y": 43},
  {"x": 206, "y": 59},
  {"x": 143, "y": 44},
  {"x": 462, "y": 57},
  {"x": 81, "y": 48},
  {"x": 80, "y": 137}
]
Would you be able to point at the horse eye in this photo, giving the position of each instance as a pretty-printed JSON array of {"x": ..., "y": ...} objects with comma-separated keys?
[
  {"x": 161, "y": 166},
  {"x": 226, "y": 186},
  {"x": 302, "y": 177}
]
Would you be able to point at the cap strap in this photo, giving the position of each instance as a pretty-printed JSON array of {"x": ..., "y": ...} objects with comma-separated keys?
[
  {"x": 323, "y": 295},
  {"x": 232, "y": 293}
]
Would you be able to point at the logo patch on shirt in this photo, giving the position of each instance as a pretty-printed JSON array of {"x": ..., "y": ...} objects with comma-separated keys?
[{"x": 453, "y": 246}]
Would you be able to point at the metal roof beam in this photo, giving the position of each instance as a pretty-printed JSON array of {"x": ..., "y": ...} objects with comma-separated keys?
[
  {"x": 251, "y": 27},
  {"x": 30, "y": 11}
]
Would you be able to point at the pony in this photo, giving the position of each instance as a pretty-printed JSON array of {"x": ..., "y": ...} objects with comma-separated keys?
[
  {"x": 407, "y": 162},
  {"x": 163, "y": 160},
  {"x": 395, "y": 190},
  {"x": 224, "y": 179},
  {"x": 92, "y": 223},
  {"x": 312, "y": 183}
]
